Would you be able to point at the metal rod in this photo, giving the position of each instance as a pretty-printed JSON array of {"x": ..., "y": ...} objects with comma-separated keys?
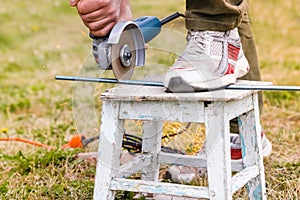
[
  {"x": 110, "y": 80},
  {"x": 160, "y": 84},
  {"x": 263, "y": 87}
]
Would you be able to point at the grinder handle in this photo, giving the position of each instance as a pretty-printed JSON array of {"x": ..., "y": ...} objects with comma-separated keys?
[{"x": 150, "y": 26}]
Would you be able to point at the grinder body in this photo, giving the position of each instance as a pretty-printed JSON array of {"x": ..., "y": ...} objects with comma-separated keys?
[
  {"x": 150, "y": 27},
  {"x": 124, "y": 48}
]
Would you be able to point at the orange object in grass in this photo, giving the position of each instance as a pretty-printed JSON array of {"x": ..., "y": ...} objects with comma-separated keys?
[{"x": 75, "y": 142}]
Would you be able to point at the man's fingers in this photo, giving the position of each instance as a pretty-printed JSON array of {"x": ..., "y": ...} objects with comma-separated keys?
[
  {"x": 98, "y": 15},
  {"x": 85, "y": 7},
  {"x": 103, "y": 32},
  {"x": 73, "y": 3}
]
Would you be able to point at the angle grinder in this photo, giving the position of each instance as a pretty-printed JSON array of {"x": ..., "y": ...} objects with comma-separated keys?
[{"x": 124, "y": 48}]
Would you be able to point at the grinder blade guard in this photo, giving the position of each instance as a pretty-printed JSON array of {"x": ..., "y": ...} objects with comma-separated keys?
[{"x": 121, "y": 51}]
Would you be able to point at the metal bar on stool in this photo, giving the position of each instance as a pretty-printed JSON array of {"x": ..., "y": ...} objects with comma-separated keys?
[{"x": 160, "y": 84}]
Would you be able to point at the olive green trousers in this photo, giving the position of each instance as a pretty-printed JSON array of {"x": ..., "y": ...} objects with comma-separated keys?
[{"x": 221, "y": 15}]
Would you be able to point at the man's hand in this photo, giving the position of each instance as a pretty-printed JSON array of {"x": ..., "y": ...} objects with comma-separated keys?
[{"x": 101, "y": 15}]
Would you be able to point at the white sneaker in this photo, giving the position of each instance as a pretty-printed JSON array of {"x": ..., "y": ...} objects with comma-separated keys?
[{"x": 211, "y": 60}]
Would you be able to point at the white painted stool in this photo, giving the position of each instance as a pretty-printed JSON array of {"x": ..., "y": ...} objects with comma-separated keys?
[{"x": 153, "y": 106}]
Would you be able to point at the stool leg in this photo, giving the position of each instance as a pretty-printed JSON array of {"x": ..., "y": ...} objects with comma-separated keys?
[
  {"x": 152, "y": 131},
  {"x": 109, "y": 151},
  {"x": 250, "y": 134},
  {"x": 218, "y": 151}
]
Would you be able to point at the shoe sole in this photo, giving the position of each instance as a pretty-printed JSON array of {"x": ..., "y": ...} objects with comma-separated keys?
[{"x": 178, "y": 85}]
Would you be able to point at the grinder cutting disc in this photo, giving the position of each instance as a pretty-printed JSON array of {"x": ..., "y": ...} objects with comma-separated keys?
[{"x": 124, "y": 55}]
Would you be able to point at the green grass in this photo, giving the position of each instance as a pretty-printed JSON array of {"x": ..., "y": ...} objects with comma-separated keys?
[
  {"x": 47, "y": 175},
  {"x": 41, "y": 39}
]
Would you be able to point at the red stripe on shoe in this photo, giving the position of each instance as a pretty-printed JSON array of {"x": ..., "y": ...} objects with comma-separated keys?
[
  {"x": 230, "y": 69},
  {"x": 233, "y": 52}
]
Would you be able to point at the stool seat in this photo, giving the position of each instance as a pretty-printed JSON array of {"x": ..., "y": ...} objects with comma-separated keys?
[
  {"x": 153, "y": 106},
  {"x": 133, "y": 92}
]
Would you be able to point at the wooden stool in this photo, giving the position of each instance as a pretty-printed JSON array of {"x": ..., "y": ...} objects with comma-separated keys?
[{"x": 153, "y": 106}]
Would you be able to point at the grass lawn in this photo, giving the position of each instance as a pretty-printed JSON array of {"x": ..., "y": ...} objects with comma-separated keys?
[{"x": 41, "y": 39}]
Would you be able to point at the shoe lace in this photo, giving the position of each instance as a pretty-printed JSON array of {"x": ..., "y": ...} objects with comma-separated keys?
[{"x": 199, "y": 43}]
